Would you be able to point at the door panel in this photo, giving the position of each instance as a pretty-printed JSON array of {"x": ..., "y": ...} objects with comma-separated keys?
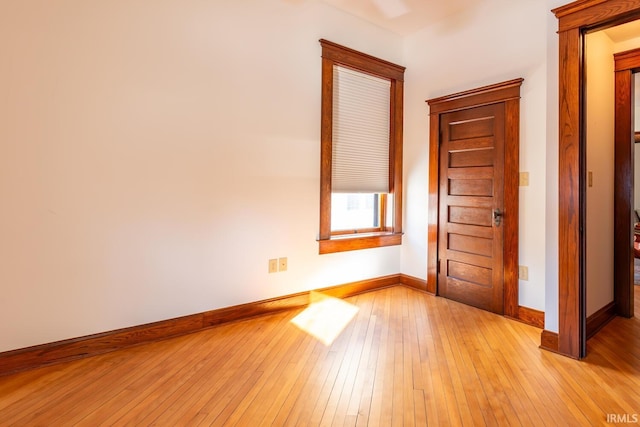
[
  {"x": 470, "y": 187},
  {"x": 470, "y": 244},
  {"x": 475, "y": 128},
  {"x": 470, "y": 249},
  {"x": 470, "y": 215},
  {"x": 470, "y": 273},
  {"x": 478, "y": 157}
]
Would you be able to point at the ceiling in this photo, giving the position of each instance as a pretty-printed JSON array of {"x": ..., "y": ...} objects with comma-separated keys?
[
  {"x": 403, "y": 16},
  {"x": 624, "y": 32},
  {"x": 408, "y": 16}
]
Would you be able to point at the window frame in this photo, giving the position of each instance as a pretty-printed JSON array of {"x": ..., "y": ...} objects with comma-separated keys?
[{"x": 330, "y": 242}]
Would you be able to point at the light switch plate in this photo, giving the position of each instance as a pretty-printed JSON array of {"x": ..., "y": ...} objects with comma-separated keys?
[
  {"x": 273, "y": 265},
  {"x": 523, "y": 272}
]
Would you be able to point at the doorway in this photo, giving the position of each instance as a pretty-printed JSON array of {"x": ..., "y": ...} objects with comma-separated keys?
[
  {"x": 626, "y": 64},
  {"x": 609, "y": 165},
  {"x": 574, "y": 20}
]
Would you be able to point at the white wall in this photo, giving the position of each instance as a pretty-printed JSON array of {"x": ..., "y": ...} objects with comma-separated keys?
[
  {"x": 497, "y": 41},
  {"x": 155, "y": 154},
  {"x": 600, "y": 132},
  {"x": 552, "y": 172}
]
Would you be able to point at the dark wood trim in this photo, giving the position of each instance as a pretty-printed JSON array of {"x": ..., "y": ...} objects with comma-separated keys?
[
  {"x": 592, "y": 13},
  {"x": 508, "y": 93},
  {"x": 335, "y": 54},
  {"x": 92, "y": 345},
  {"x": 478, "y": 97},
  {"x": 573, "y": 19},
  {"x": 627, "y": 60},
  {"x": 531, "y": 316},
  {"x": 571, "y": 243},
  {"x": 396, "y": 153},
  {"x": 434, "y": 203},
  {"x": 575, "y": 7},
  {"x": 293, "y": 301},
  {"x": 413, "y": 282},
  {"x": 326, "y": 149},
  {"x": 549, "y": 341},
  {"x": 361, "y": 61},
  {"x": 624, "y": 214},
  {"x": 597, "y": 320},
  {"x": 78, "y": 348},
  {"x": 511, "y": 203},
  {"x": 352, "y": 243},
  {"x": 364, "y": 231}
]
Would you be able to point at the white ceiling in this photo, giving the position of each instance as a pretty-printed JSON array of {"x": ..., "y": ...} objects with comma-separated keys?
[
  {"x": 403, "y": 16},
  {"x": 408, "y": 16}
]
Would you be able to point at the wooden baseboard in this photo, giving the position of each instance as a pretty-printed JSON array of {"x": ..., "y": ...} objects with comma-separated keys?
[
  {"x": 549, "y": 341},
  {"x": 597, "y": 320},
  {"x": 77, "y": 348},
  {"x": 413, "y": 282},
  {"x": 301, "y": 299},
  {"x": 531, "y": 316},
  {"x": 526, "y": 315}
]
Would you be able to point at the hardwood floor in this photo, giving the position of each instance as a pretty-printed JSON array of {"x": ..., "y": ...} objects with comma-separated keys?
[{"x": 406, "y": 358}]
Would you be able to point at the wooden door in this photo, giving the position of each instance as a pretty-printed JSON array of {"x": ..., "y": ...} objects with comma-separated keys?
[
  {"x": 626, "y": 65},
  {"x": 471, "y": 216}
]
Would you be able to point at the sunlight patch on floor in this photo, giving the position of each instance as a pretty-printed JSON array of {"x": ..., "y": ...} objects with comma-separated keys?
[{"x": 325, "y": 318}]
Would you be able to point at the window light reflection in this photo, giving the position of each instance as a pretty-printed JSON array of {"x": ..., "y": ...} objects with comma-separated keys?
[{"x": 325, "y": 318}]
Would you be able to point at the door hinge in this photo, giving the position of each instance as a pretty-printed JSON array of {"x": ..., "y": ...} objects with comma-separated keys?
[{"x": 438, "y": 267}]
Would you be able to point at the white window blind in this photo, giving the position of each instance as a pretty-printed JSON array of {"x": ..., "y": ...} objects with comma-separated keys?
[{"x": 361, "y": 110}]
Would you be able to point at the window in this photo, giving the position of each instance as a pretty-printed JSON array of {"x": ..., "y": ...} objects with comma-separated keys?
[{"x": 361, "y": 151}]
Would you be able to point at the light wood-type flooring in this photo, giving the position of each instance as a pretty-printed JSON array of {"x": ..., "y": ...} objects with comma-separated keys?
[{"x": 405, "y": 359}]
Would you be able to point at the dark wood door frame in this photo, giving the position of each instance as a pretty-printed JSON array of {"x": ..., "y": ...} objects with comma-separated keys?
[
  {"x": 625, "y": 65},
  {"x": 573, "y": 20},
  {"x": 508, "y": 93}
]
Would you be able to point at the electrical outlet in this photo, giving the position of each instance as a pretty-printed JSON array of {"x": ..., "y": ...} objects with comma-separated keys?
[
  {"x": 524, "y": 179},
  {"x": 273, "y": 265},
  {"x": 523, "y": 272},
  {"x": 282, "y": 264}
]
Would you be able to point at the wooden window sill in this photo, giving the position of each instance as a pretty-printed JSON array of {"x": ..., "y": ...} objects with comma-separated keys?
[{"x": 352, "y": 242}]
